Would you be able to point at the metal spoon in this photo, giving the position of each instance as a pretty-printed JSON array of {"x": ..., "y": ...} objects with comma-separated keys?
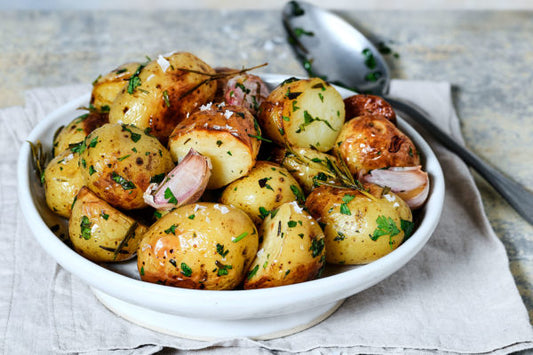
[{"x": 331, "y": 48}]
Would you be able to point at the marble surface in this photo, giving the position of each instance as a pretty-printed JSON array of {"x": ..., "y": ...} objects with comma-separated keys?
[{"x": 486, "y": 55}]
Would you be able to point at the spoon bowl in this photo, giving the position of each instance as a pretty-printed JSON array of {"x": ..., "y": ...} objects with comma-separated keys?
[{"x": 331, "y": 48}]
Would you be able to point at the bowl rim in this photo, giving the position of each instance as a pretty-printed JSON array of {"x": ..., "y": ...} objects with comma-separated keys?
[{"x": 250, "y": 303}]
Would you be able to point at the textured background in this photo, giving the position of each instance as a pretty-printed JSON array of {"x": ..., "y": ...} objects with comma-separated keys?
[{"x": 486, "y": 55}]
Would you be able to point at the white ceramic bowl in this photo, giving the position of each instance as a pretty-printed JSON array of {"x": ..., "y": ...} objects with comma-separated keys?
[{"x": 202, "y": 314}]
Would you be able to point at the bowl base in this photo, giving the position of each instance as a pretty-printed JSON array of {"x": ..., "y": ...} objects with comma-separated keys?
[{"x": 212, "y": 329}]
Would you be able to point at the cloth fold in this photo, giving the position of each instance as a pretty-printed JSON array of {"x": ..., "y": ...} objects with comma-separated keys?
[{"x": 456, "y": 296}]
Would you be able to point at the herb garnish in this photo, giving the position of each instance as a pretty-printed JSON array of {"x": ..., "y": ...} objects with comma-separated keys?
[
  {"x": 85, "y": 227},
  {"x": 170, "y": 196},
  {"x": 186, "y": 270},
  {"x": 241, "y": 236},
  {"x": 126, "y": 185},
  {"x": 317, "y": 245}
]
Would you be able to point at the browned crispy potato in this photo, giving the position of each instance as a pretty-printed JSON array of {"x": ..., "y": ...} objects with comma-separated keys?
[
  {"x": 107, "y": 87},
  {"x": 292, "y": 249},
  {"x": 118, "y": 162},
  {"x": 359, "y": 227},
  {"x": 100, "y": 232},
  {"x": 363, "y": 104},
  {"x": 265, "y": 188},
  {"x": 225, "y": 134},
  {"x": 62, "y": 181},
  {"x": 373, "y": 142},
  {"x": 303, "y": 113},
  {"x": 162, "y": 93},
  {"x": 78, "y": 129},
  {"x": 201, "y": 245},
  {"x": 308, "y": 166}
]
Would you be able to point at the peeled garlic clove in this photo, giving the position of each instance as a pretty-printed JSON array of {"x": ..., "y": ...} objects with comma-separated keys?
[
  {"x": 184, "y": 184},
  {"x": 410, "y": 183}
]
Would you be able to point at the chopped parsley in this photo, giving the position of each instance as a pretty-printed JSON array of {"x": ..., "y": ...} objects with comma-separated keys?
[
  {"x": 171, "y": 229},
  {"x": 221, "y": 251},
  {"x": 317, "y": 245},
  {"x": 157, "y": 178},
  {"x": 263, "y": 212},
  {"x": 252, "y": 272},
  {"x": 126, "y": 185},
  {"x": 386, "y": 226},
  {"x": 185, "y": 270},
  {"x": 85, "y": 227},
  {"x": 292, "y": 224},
  {"x": 134, "y": 136},
  {"x": 165, "y": 98},
  {"x": 298, "y": 194},
  {"x": 263, "y": 183},
  {"x": 91, "y": 170},
  {"x": 170, "y": 196},
  {"x": 308, "y": 119},
  {"x": 407, "y": 227},
  {"x": 104, "y": 215},
  {"x": 238, "y": 238},
  {"x": 344, "y": 205},
  {"x": 191, "y": 216}
]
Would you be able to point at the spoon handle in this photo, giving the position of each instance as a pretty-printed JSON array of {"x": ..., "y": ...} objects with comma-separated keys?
[{"x": 518, "y": 197}]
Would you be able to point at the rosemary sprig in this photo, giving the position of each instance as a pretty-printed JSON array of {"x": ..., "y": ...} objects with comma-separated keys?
[
  {"x": 129, "y": 234},
  {"x": 215, "y": 76},
  {"x": 39, "y": 159}
]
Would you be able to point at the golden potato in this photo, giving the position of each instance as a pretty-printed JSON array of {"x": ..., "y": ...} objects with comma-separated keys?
[
  {"x": 372, "y": 142},
  {"x": 265, "y": 188},
  {"x": 107, "y": 87},
  {"x": 78, "y": 129},
  {"x": 118, "y": 162},
  {"x": 308, "y": 166},
  {"x": 359, "y": 227},
  {"x": 227, "y": 135},
  {"x": 292, "y": 249},
  {"x": 100, "y": 232},
  {"x": 303, "y": 113},
  {"x": 62, "y": 181},
  {"x": 162, "y": 93},
  {"x": 201, "y": 245}
]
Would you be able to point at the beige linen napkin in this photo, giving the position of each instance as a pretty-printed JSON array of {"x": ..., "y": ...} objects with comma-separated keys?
[{"x": 456, "y": 296}]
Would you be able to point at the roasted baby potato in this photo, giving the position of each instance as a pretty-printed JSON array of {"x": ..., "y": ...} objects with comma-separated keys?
[
  {"x": 226, "y": 134},
  {"x": 119, "y": 161},
  {"x": 308, "y": 166},
  {"x": 303, "y": 113},
  {"x": 363, "y": 104},
  {"x": 107, "y": 87},
  {"x": 360, "y": 226},
  {"x": 372, "y": 142},
  {"x": 100, "y": 232},
  {"x": 200, "y": 245},
  {"x": 78, "y": 129},
  {"x": 292, "y": 249},
  {"x": 265, "y": 188},
  {"x": 62, "y": 181},
  {"x": 163, "y": 92}
]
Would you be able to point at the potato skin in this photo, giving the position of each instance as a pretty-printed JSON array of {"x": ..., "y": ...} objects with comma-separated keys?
[
  {"x": 62, "y": 181},
  {"x": 303, "y": 113},
  {"x": 96, "y": 229},
  {"x": 119, "y": 161},
  {"x": 265, "y": 188},
  {"x": 107, "y": 87},
  {"x": 292, "y": 249},
  {"x": 78, "y": 129},
  {"x": 163, "y": 98},
  {"x": 225, "y": 134},
  {"x": 372, "y": 142},
  {"x": 350, "y": 229},
  {"x": 306, "y": 166},
  {"x": 364, "y": 104},
  {"x": 201, "y": 245}
]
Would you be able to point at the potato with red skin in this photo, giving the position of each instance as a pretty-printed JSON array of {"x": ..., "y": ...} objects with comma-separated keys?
[
  {"x": 201, "y": 245},
  {"x": 364, "y": 104},
  {"x": 372, "y": 142}
]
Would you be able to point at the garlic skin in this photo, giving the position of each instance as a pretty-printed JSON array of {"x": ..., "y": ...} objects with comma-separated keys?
[
  {"x": 184, "y": 184},
  {"x": 409, "y": 183}
]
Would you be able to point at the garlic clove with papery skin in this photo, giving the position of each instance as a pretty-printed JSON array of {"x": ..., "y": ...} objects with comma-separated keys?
[{"x": 184, "y": 184}]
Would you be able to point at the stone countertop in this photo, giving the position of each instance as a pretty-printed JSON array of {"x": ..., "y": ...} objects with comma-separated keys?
[{"x": 486, "y": 55}]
